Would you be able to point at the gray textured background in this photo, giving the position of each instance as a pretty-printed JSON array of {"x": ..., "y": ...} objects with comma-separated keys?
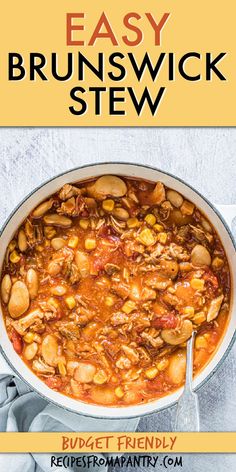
[{"x": 204, "y": 157}]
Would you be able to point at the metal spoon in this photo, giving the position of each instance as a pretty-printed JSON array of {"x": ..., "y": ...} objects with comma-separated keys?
[{"x": 187, "y": 417}]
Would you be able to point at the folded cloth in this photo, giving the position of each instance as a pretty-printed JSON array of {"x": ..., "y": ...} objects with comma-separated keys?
[{"x": 24, "y": 410}]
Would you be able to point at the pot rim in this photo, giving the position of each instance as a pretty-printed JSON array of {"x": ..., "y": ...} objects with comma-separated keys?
[{"x": 213, "y": 208}]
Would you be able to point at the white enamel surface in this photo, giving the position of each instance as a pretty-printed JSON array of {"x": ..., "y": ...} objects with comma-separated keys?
[{"x": 131, "y": 171}]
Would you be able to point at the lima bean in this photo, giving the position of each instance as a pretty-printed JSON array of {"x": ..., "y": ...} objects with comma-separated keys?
[
  {"x": 32, "y": 282},
  {"x": 22, "y": 241},
  {"x": 177, "y": 366},
  {"x": 6, "y": 288},
  {"x": 19, "y": 299}
]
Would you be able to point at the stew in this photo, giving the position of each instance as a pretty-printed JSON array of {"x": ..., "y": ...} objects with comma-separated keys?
[{"x": 103, "y": 284}]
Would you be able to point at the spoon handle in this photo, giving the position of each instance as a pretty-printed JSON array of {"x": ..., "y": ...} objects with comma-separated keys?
[
  {"x": 187, "y": 418},
  {"x": 189, "y": 363}
]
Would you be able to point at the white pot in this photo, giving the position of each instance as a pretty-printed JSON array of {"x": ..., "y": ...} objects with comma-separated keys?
[{"x": 129, "y": 170}]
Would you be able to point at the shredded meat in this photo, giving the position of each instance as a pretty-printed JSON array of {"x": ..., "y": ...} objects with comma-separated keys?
[
  {"x": 71, "y": 272},
  {"x": 69, "y": 330},
  {"x": 68, "y": 207},
  {"x": 68, "y": 191},
  {"x": 155, "y": 342},
  {"x": 123, "y": 363},
  {"x": 121, "y": 289},
  {"x": 119, "y": 318}
]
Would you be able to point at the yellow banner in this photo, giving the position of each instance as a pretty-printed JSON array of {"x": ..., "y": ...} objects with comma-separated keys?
[
  {"x": 126, "y": 63},
  {"x": 118, "y": 442}
]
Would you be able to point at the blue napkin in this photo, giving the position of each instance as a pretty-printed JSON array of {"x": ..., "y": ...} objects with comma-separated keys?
[{"x": 24, "y": 410}]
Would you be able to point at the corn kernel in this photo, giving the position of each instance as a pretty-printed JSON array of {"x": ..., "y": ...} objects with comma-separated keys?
[
  {"x": 128, "y": 306},
  {"x": 84, "y": 224},
  {"x": 12, "y": 245},
  {"x": 199, "y": 318},
  {"x": 201, "y": 342},
  {"x": 132, "y": 223},
  {"x": 37, "y": 338},
  {"x": 39, "y": 248},
  {"x": 187, "y": 208},
  {"x": 162, "y": 238},
  {"x": 90, "y": 244},
  {"x": 217, "y": 263},
  {"x": 14, "y": 257},
  {"x": 52, "y": 301},
  {"x": 197, "y": 284},
  {"x": 189, "y": 311},
  {"x": 62, "y": 368},
  {"x": 151, "y": 373},
  {"x": 171, "y": 290},
  {"x": 109, "y": 300},
  {"x": 70, "y": 301},
  {"x": 100, "y": 377},
  {"x": 49, "y": 232},
  {"x": 29, "y": 337},
  {"x": 146, "y": 237},
  {"x": 119, "y": 392},
  {"x": 158, "y": 227},
  {"x": 73, "y": 242},
  {"x": 108, "y": 205},
  {"x": 162, "y": 364},
  {"x": 150, "y": 219}
]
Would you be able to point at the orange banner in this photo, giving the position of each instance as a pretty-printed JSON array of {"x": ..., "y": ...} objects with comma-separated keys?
[
  {"x": 118, "y": 442},
  {"x": 125, "y": 63}
]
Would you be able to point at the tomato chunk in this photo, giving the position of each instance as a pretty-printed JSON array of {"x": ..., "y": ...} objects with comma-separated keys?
[
  {"x": 167, "y": 321},
  {"x": 16, "y": 341},
  {"x": 53, "y": 382}
]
